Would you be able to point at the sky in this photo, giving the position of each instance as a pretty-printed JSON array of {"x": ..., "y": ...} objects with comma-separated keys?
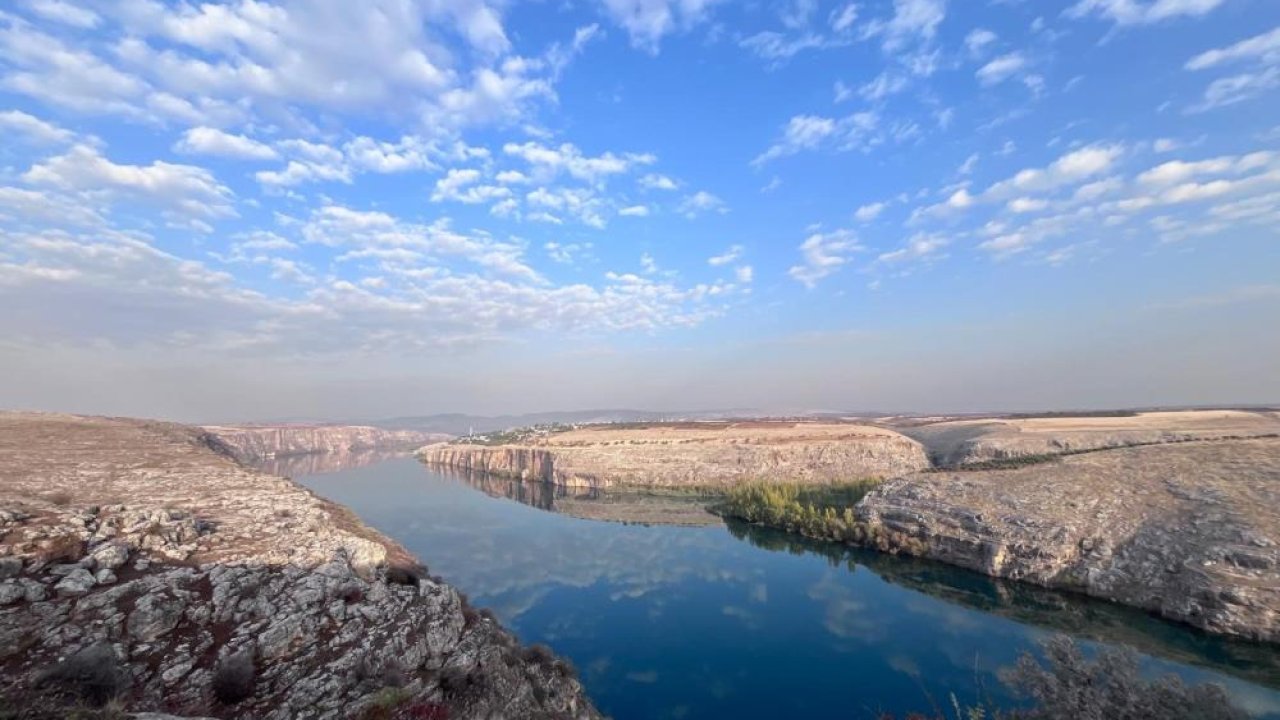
[{"x": 266, "y": 209}]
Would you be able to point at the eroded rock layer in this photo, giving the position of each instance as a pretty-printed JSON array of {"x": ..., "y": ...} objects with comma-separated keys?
[
  {"x": 965, "y": 441},
  {"x": 1190, "y": 531},
  {"x": 695, "y": 454},
  {"x": 252, "y": 443},
  {"x": 192, "y": 585}
]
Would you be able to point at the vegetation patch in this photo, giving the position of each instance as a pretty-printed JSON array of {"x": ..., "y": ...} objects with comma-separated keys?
[{"x": 822, "y": 512}]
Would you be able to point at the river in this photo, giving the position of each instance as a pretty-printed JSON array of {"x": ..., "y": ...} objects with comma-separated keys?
[{"x": 704, "y": 620}]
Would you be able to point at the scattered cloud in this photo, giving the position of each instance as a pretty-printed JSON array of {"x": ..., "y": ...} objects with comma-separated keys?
[
  {"x": 702, "y": 202},
  {"x": 211, "y": 141},
  {"x": 823, "y": 254}
]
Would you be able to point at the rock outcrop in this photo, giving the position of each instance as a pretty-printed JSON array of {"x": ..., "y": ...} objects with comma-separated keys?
[
  {"x": 138, "y": 563},
  {"x": 1189, "y": 531},
  {"x": 961, "y": 442},
  {"x": 254, "y": 443},
  {"x": 694, "y": 454}
]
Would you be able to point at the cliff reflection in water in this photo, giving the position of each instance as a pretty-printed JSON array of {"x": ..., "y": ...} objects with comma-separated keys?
[
  {"x": 1080, "y": 617},
  {"x": 296, "y": 466},
  {"x": 610, "y": 505}
]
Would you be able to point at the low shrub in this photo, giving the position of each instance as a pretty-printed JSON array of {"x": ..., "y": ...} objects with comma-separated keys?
[
  {"x": 92, "y": 675},
  {"x": 234, "y": 678}
]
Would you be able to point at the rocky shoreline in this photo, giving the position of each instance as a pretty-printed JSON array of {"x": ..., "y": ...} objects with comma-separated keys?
[
  {"x": 1189, "y": 531},
  {"x": 139, "y": 565}
]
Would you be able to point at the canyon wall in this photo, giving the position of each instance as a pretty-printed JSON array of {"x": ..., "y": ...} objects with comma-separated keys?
[
  {"x": 1189, "y": 531},
  {"x": 139, "y": 565},
  {"x": 692, "y": 455},
  {"x": 960, "y": 442},
  {"x": 253, "y": 443}
]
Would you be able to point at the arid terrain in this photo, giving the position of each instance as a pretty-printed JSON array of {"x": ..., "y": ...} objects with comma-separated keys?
[
  {"x": 1190, "y": 531},
  {"x": 140, "y": 563},
  {"x": 691, "y": 454},
  {"x": 970, "y": 440}
]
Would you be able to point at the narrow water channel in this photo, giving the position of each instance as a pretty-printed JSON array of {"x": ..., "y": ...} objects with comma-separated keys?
[{"x": 704, "y": 620}]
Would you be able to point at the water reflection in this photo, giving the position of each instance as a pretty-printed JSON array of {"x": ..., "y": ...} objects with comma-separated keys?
[
  {"x": 693, "y": 622},
  {"x": 1083, "y": 618},
  {"x": 296, "y": 466},
  {"x": 591, "y": 503}
]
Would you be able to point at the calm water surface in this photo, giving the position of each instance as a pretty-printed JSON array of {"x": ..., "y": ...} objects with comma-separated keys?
[{"x": 739, "y": 622}]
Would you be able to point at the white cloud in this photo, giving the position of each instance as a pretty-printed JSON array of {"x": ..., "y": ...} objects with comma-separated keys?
[
  {"x": 843, "y": 17},
  {"x": 1142, "y": 12},
  {"x": 648, "y": 21},
  {"x": 548, "y": 162},
  {"x": 1238, "y": 88},
  {"x": 182, "y": 189},
  {"x": 634, "y": 211},
  {"x": 882, "y": 86},
  {"x": 34, "y": 128},
  {"x": 1027, "y": 205},
  {"x": 1001, "y": 68},
  {"x": 744, "y": 274},
  {"x": 654, "y": 181},
  {"x": 1264, "y": 48},
  {"x": 65, "y": 13},
  {"x": 978, "y": 39},
  {"x": 1179, "y": 171},
  {"x": 919, "y": 247},
  {"x": 810, "y": 132},
  {"x": 701, "y": 202},
  {"x": 461, "y": 185},
  {"x": 729, "y": 256},
  {"x": 913, "y": 21},
  {"x": 211, "y": 141},
  {"x": 869, "y": 212},
  {"x": 1068, "y": 169},
  {"x": 824, "y": 254}
]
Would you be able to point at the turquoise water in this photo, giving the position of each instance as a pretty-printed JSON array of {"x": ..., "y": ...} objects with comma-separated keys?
[{"x": 740, "y": 622}]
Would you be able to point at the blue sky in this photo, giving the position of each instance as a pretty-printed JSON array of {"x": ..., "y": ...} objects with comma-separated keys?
[{"x": 267, "y": 209}]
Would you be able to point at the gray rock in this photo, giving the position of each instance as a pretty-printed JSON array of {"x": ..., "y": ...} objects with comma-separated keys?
[
  {"x": 77, "y": 582},
  {"x": 110, "y": 555},
  {"x": 11, "y": 591},
  {"x": 153, "y": 616},
  {"x": 105, "y": 576},
  {"x": 10, "y": 567}
]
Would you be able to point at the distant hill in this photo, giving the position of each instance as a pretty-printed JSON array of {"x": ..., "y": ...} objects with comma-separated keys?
[{"x": 461, "y": 423}]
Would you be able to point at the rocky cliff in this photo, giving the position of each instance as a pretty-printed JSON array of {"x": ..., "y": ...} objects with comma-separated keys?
[
  {"x": 1189, "y": 531},
  {"x": 692, "y": 454},
  {"x": 253, "y": 443},
  {"x": 967, "y": 441},
  {"x": 140, "y": 566}
]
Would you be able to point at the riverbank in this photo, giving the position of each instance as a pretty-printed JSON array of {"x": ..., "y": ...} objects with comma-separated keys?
[
  {"x": 1187, "y": 531},
  {"x": 141, "y": 566},
  {"x": 1176, "y": 513}
]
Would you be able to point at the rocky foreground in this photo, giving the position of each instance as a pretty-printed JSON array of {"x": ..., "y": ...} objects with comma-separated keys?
[
  {"x": 140, "y": 565},
  {"x": 1189, "y": 531},
  {"x": 690, "y": 455}
]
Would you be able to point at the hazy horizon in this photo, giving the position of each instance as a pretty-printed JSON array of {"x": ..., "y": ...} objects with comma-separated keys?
[{"x": 259, "y": 210}]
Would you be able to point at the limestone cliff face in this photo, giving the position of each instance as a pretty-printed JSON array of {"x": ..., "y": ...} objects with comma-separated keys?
[
  {"x": 190, "y": 583},
  {"x": 962, "y": 442},
  {"x": 252, "y": 443},
  {"x": 1188, "y": 531},
  {"x": 693, "y": 454}
]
